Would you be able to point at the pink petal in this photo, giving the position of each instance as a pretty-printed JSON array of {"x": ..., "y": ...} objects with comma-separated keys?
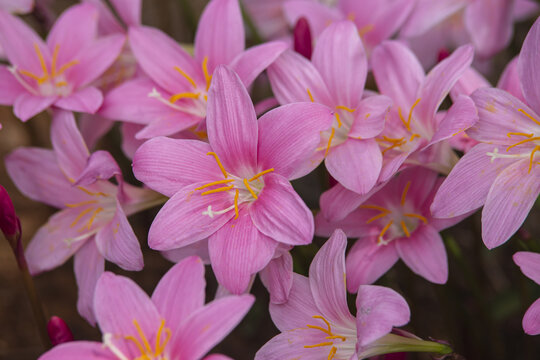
[
  {"x": 354, "y": 225},
  {"x": 427, "y": 14},
  {"x": 379, "y": 310},
  {"x": 509, "y": 81},
  {"x": 367, "y": 261},
  {"x": 370, "y": 117},
  {"x": 100, "y": 166},
  {"x": 342, "y": 62},
  {"x": 93, "y": 128},
  {"x": 291, "y": 344},
  {"x": 528, "y": 68},
  {"x": 83, "y": 350},
  {"x": 327, "y": 279},
  {"x": 107, "y": 22},
  {"x": 118, "y": 243},
  {"x": 531, "y": 319},
  {"x": 129, "y": 143},
  {"x": 232, "y": 123},
  {"x": 234, "y": 262},
  {"x": 277, "y": 277},
  {"x": 216, "y": 320},
  {"x": 89, "y": 264},
  {"x": 338, "y": 202},
  {"x": 290, "y": 134},
  {"x": 467, "y": 186},
  {"x": 220, "y": 33},
  {"x": 69, "y": 147},
  {"x": 318, "y": 15},
  {"x": 217, "y": 357},
  {"x": 356, "y": 173},
  {"x": 129, "y": 11},
  {"x": 170, "y": 124},
  {"x": 470, "y": 81},
  {"x": 146, "y": 42},
  {"x": 508, "y": 202},
  {"x": 529, "y": 264},
  {"x": 167, "y": 165},
  {"x": 10, "y": 88},
  {"x": 180, "y": 292},
  {"x": 75, "y": 29},
  {"x": 199, "y": 249},
  {"x": 182, "y": 220},
  {"x": 250, "y": 63},
  {"x": 397, "y": 72},
  {"x": 281, "y": 214},
  {"x": 87, "y": 100},
  {"x": 424, "y": 254},
  {"x": 27, "y": 105}
]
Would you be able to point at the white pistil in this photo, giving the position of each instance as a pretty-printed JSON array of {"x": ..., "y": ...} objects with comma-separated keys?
[
  {"x": 496, "y": 155},
  {"x": 108, "y": 343}
]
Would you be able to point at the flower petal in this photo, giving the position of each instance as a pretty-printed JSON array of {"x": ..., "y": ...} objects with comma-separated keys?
[
  {"x": 199, "y": 249},
  {"x": 89, "y": 264},
  {"x": 93, "y": 128},
  {"x": 427, "y": 14},
  {"x": 338, "y": 202},
  {"x": 10, "y": 88},
  {"x": 129, "y": 11},
  {"x": 291, "y": 344},
  {"x": 27, "y": 105},
  {"x": 277, "y": 277},
  {"x": 317, "y": 14},
  {"x": 281, "y": 214},
  {"x": 470, "y": 81},
  {"x": 232, "y": 245},
  {"x": 250, "y": 63},
  {"x": 87, "y": 100},
  {"x": 529, "y": 264},
  {"x": 370, "y": 117},
  {"x": 510, "y": 81},
  {"x": 100, "y": 166},
  {"x": 531, "y": 319},
  {"x": 82, "y": 350},
  {"x": 528, "y": 67},
  {"x": 424, "y": 254}
]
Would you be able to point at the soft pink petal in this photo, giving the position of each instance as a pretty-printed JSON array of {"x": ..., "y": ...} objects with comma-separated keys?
[
  {"x": 509, "y": 201},
  {"x": 290, "y": 134},
  {"x": 129, "y": 143},
  {"x": 470, "y": 81},
  {"x": 10, "y": 88},
  {"x": 168, "y": 125},
  {"x": 100, "y": 166},
  {"x": 83, "y": 350},
  {"x": 531, "y": 319},
  {"x": 234, "y": 262},
  {"x": 232, "y": 123},
  {"x": 524, "y": 9},
  {"x": 250, "y": 63},
  {"x": 370, "y": 117},
  {"x": 184, "y": 219},
  {"x": 338, "y": 202},
  {"x": 93, "y": 128},
  {"x": 118, "y": 243},
  {"x": 367, "y": 261},
  {"x": 129, "y": 11},
  {"x": 528, "y": 67},
  {"x": 424, "y": 254},
  {"x": 317, "y": 14},
  {"x": 281, "y": 214},
  {"x": 107, "y": 23},
  {"x": 146, "y": 42},
  {"x": 327, "y": 279},
  {"x": 199, "y": 249},
  {"x": 217, "y": 357},
  {"x": 397, "y": 72},
  {"x": 291, "y": 344},
  {"x": 356, "y": 173},
  {"x": 167, "y": 165},
  {"x": 216, "y": 320},
  {"x": 27, "y": 105},
  {"x": 529, "y": 264},
  {"x": 89, "y": 264},
  {"x": 342, "y": 62},
  {"x": 87, "y": 100},
  {"x": 427, "y": 14},
  {"x": 510, "y": 80},
  {"x": 354, "y": 225},
  {"x": 180, "y": 291},
  {"x": 277, "y": 277},
  {"x": 379, "y": 309}
]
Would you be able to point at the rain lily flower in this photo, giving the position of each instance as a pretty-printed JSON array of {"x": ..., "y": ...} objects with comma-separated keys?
[
  {"x": 92, "y": 223},
  {"x": 237, "y": 186},
  {"x": 316, "y": 323},
  {"x": 501, "y": 172},
  {"x": 336, "y": 78},
  {"x": 392, "y": 223},
  {"x": 174, "y": 96},
  {"x": 173, "y": 324},
  {"x": 56, "y": 72},
  {"x": 530, "y": 265},
  {"x": 413, "y": 132}
]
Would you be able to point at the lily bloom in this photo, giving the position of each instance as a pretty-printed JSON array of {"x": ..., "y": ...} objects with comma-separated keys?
[
  {"x": 237, "y": 185},
  {"x": 59, "y": 71},
  {"x": 174, "y": 95},
  {"x": 92, "y": 223},
  {"x": 316, "y": 323},
  {"x": 529, "y": 263},
  {"x": 502, "y": 171},
  {"x": 391, "y": 223},
  {"x": 336, "y": 78},
  {"x": 414, "y": 133},
  {"x": 173, "y": 324}
]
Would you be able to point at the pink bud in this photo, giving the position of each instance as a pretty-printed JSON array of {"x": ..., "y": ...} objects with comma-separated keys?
[
  {"x": 9, "y": 222},
  {"x": 58, "y": 331},
  {"x": 302, "y": 38},
  {"x": 443, "y": 54}
]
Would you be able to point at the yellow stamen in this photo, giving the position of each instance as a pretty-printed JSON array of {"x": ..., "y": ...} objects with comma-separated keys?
[
  {"x": 375, "y": 207},
  {"x": 417, "y": 217},
  {"x": 31, "y": 75},
  {"x": 186, "y": 76},
  {"x": 79, "y": 217},
  {"x": 345, "y": 108},
  {"x": 393, "y": 146},
  {"x": 319, "y": 328},
  {"x": 338, "y": 119},
  {"x": 207, "y": 76},
  {"x": 404, "y": 194},
  {"x": 323, "y": 319},
  {"x": 236, "y": 204},
  {"x": 405, "y": 230},
  {"x": 536, "y": 148},
  {"x": 91, "y": 221},
  {"x": 54, "y": 58},
  {"x": 184, "y": 95},
  {"x": 319, "y": 345},
  {"x": 310, "y": 96},
  {"x": 366, "y": 29},
  {"x": 139, "y": 346},
  {"x": 519, "y": 134},
  {"x": 409, "y": 118},
  {"x": 414, "y": 136},
  {"x": 218, "y": 162},
  {"x": 343, "y": 338},
  {"x": 82, "y": 203},
  {"x": 214, "y": 183},
  {"x": 61, "y": 83},
  {"x": 250, "y": 189},
  {"x": 529, "y": 116},
  {"x": 332, "y": 353},
  {"x": 91, "y": 193},
  {"x": 161, "y": 347},
  {"x": 142, "y": 336},
  {"x": 384, "y": 230},
  {"x": 42, "y": 63},
  {"x": 376, "y": 217},
  {"x": 329, "y": 142},
  {"x": 221, "y": 189},
  {"x": 411, "y": 111},
  {"x": 523, "y": 142},
  {"x": 261, "y": 174},
  {"x": 393, "y": 140},
  {"x": 66, "y": 66}
]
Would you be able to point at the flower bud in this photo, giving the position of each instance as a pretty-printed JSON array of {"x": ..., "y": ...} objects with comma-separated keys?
[
  {"x": 302, "y": 38},
  {"x": 58, "y": 331},
  {"x": 11, "y": 227}
]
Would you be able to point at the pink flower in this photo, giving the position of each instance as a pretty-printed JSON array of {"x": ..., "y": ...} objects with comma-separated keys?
[
  {"x": 56, "y": 72},
  {"x": 316, "y": 323},
  {"x": 173, "y": 324},
  {"x": 501, "y": 172},
  {"x": 174, "y": 95},
  {"x": 529, "y": 263},
  {"x": 92, "y": 223},
  {"x": 392, "y": 222},
  {"x": 336, "y": 78},
  {"x": 235, "y": 187},
  {"x": 414, "y": 133}
]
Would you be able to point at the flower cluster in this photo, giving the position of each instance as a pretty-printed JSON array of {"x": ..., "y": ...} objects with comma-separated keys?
[{"x": 385, "y": 92}]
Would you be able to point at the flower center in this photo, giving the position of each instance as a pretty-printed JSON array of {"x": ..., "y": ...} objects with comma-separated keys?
[
  {"x": 331, "y": 337},
  {"x": 403, "y": 142},
  {"x": 398, "y": 223}
]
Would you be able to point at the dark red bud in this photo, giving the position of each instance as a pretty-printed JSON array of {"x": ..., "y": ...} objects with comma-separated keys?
[
  {"x": 302, "y": 38},
  {"x": 58, "y": 331},
  {"x": 443, "y": 54},
  {"x": 9, "y": 222}
]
